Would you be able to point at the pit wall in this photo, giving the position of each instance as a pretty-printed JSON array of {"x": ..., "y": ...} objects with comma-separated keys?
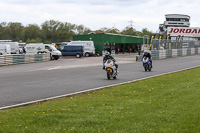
[
  {"x": 169, "y": 53},
  {"x": 23, "y": 59}
]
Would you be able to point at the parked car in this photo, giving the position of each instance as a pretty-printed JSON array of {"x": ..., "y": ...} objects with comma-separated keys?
[
  {"x": 88, "y": 47},
  {"x": 71, "y": 50}
]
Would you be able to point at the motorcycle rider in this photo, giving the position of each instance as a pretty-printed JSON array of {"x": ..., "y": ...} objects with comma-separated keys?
[
  {"x": 108, "y": 56},
  {"x": 148, "y": 55}
]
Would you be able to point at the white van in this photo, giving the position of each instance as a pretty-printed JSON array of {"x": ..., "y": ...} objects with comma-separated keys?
[
  {"x": 88, "y": 47},
  {"x": 5, "y": 49},
  {"x": 14, "y": 46},
  {"x": 36, "y": 48},
  {"x": 54, "y": 52}
]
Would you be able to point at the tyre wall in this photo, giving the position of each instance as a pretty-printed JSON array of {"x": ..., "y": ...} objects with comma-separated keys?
[{"x": 23, "y": 58}]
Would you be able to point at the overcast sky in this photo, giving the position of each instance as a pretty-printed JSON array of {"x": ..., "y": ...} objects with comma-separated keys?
[{"x": 96, "y": 14}]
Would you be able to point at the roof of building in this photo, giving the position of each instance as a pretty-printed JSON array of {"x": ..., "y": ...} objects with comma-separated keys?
[{"x": 177, "y": 16}]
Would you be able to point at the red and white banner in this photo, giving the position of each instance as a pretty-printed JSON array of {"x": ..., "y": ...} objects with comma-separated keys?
[{"x": 184, "y": 31}]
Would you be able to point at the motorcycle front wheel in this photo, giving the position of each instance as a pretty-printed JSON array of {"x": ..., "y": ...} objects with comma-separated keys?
[
  {"x": 149, "y": 68},
  {"x": 108, "y": 75},
  {"x": 145, "y": 68}
]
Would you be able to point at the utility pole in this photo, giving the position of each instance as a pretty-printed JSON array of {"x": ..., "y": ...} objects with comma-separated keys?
[
  {"x": 131, "y": 25},
  {"x": 113, "y": 26}
]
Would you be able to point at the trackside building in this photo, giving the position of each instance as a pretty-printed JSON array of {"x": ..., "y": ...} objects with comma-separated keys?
[{"x": 113, "y": 42}]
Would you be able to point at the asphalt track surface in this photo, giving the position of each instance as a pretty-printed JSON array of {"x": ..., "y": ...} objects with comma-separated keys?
[{"x": 21, "y": 84}]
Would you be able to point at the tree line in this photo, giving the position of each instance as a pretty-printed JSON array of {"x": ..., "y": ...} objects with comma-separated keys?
[{"x": 55, "y": 31}]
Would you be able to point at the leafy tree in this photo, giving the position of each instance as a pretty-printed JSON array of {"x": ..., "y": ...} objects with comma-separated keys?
[
  {"x": 113, "y": 30},
  {"x": 55, "y": 31},
  {"x": 14, "y": 30},
  {"x": 80, "y": 29},
  {"x": 109, "y": 30},
  {"x": 31, "y": 32},
  {"x": 145, "y": 32},
  {"x": 4, "y": 31},
  {"x": 65, "y": 32},
  {"x": 104, "y": 30},
  {"x": 49, "y": 30},
  {"x": 130, "y": 31},
  {"x": 1, "y": 31},
  {"x": 31, "y": 41}
]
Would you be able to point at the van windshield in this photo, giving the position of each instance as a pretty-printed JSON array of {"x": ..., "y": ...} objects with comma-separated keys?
[
  {"x": 60, "y": 47},
  {"x": 53, "y": 48}
]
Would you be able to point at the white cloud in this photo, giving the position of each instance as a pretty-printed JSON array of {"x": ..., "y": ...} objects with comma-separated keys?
[{"x": 97, "y": 14}]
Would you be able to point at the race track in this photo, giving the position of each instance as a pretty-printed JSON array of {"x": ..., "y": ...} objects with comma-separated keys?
[{"x": 31, "y": 82}]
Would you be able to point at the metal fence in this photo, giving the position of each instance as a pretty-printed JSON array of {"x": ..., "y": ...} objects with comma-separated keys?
[
  {"x": 162, "y": 49},
  {"x": 174, "y": 44}
]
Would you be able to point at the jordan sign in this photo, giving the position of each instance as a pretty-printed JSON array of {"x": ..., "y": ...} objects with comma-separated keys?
[{"x": 184, "y": 31}]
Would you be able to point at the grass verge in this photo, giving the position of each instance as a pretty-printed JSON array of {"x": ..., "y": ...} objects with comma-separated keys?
[{"x": 168, "y": 103}]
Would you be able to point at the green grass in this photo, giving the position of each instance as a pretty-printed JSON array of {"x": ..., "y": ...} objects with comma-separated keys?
[{"x": 164, "y": 104}]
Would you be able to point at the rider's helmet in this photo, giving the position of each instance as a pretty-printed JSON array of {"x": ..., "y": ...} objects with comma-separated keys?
[
  {"x": 146, "y": 52},
  {"x": 107, "y": 54}
]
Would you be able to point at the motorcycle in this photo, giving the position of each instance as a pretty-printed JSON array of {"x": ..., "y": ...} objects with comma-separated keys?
[
  {"x": 146, "y": 64},
  {"x": 111, "y": 69}
]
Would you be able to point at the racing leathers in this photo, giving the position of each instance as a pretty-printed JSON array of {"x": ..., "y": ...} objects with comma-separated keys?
[
  {"x": 109, "y": 57},
  {"x": 148, "y": 55}
]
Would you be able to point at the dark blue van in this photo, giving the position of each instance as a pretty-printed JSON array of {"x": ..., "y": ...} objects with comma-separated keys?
[{"x": 71, "y": 50}]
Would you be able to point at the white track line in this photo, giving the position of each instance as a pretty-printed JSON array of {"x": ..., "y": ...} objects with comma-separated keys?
[
  {"x": 54, "y": 68},
  {"x": 65, "y": 95}
]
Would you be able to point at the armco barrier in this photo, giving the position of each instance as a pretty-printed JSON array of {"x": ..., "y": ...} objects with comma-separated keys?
[
  {"x": 192, "y": 51},
  {"x": 45, "y": 57},
  {"x": 38, "y": 57},
  {"x": 184, "y": 51},
  {"x": 196, "y": 51},
  {"x": 174, "y": 52},
  {"x": 2, "y": 59},
  {"x": 179, "y": 52},
  {"x": 8, "y": 60},
  {"x": 189, "y": 51},
  {"x": 168, "y": 53},
  {"x": 155, "y": 54},
  {"x": 23, "y": 58},
  {"x": 18, "y": 59},
  {"x": 162, "y": 54}
]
